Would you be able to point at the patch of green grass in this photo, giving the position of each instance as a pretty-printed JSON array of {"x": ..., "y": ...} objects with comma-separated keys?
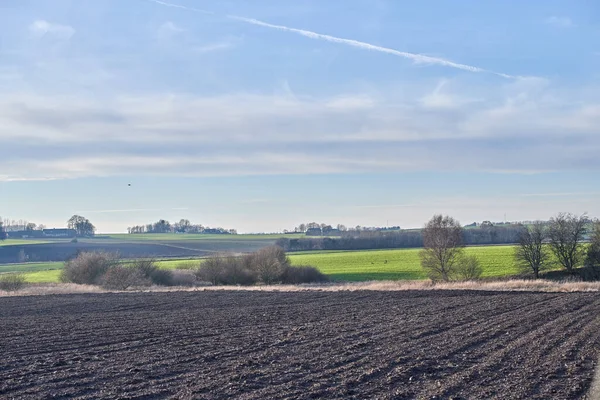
[
  {"x": 21, "y": 242},
  {"x": 402, "y": 264},
  {"x": 179, "y": 264},
  {"x": 30, "y": 267},
  {"x": 51, "y": 276}
]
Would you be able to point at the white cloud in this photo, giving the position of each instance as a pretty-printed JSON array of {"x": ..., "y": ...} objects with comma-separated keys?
[
  {"x": 42, "y": 28},
  {"x": 561, "y": 22},
  {"x": 522, "y": 127}
]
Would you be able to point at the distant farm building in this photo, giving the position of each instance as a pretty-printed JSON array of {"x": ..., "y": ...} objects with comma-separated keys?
[{"x": 60, "y": 233}]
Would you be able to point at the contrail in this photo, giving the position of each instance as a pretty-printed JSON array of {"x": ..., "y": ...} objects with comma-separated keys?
[
  {"x": 417, "y": 58},
  {"x": 163, "y": 3}
]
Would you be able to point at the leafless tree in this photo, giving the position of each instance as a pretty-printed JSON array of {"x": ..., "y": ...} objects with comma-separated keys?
[
  {"x": 269, "y": 264},
  {"x": 531, "y": 253},
  {"x": 443, "y": 246},
  {"x": 566, "y": 233}
]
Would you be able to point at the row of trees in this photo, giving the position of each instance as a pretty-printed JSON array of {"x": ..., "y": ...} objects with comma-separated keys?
[
  {"x": 443, "y": 246},
  {"x": 183, "y": 226},
  {"x": 303, "y": 228},
  {"x": 11, "y": 225},
  {"x": 81, "y": 225},
  {"x": 353, "y": 240},
  {"x": 562, "y": 237}
]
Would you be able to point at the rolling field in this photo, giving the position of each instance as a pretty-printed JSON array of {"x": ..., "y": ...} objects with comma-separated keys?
[
  {"x": 167, "y": 237},
  {"x": 303, "y": 345},
  {"x": 21, "y": 242},
  {"x": 402, "y": 264}
]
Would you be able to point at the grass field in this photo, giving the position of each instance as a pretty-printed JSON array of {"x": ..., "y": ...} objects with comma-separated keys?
[
  {"x": 497, "y": 261},
  {"x": 20, "y": 242},
  {"x": 402, "y": 264}
]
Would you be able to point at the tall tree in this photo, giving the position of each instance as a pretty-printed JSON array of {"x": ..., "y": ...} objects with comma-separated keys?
[
  {"x": 531, "y": 253},
  {"x": 443, "y": 247},
  {"x": 81, "y": 225},
  {"x": 566, "y": 232},
  {"x": 3, "y": 234}
]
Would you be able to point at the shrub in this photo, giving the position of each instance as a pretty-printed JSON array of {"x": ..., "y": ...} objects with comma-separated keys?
[
  {"x": 226, "y": 269},
  {"x": 12, "y": 282},
  {"x": 88, "y": 267},
  {"x": 162, "y": 277},
  {"x": 147, "y": 268},
  {"x": 119, "y": 277},
  {"x": 183, "y": 278},
  {"x": 269, "y": 263},
  {"x": 468, "y": 268},
  {"x": 211, "y": 269},
  {"x": 293, "y": 275},
  {"x": 593, "y": 251}
]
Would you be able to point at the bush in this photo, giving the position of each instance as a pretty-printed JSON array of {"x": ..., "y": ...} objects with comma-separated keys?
[
  {"x": 468, "y": 269},
  {"x": 593, "y": 251},
  {"x": 226, "y": 269},
  {"x": 12, "y": 282},
  {"x": 162, "y": 277},
  {"x": 154, "y": 275},
  {"x": 294, "y": 275},
  {"x": 269, "y": 263},
  {"x": 119, "y": 277},
  {"x": 88, "y": 268},
  {"x": 183, "y": 278}
]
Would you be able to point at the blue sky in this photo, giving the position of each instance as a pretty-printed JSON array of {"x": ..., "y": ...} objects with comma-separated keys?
[{"x": 261, "y": 115}]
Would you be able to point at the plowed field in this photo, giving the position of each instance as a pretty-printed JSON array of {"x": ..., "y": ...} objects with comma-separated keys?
[{"x": 264, "y": 345}]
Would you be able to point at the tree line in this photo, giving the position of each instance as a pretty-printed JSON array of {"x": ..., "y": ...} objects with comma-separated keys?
[
  {"x": 81, "y": 227},
  {"x": 326, "y": 229},
  {"x": 388, "y": 239},
  {"x": 562, "y": 236},
  {"x": 183, "y": 226}
]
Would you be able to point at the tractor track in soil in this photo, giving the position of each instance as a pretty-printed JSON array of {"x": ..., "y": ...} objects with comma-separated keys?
[{"x": 257, "y": 345}]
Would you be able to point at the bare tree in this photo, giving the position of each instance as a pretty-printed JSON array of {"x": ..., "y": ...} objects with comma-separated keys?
[
  {"x": 3, "y": 234},
  {"x": 443, "y": 246},
  {"x": 566, "y": 233},
  {"x": 269, "y": 263},
  {"x": 531, "y": 253}
]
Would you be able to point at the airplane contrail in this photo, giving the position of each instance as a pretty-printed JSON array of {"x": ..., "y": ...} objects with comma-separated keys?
[
  {"x": 164, "y": 3},
  {"x": 417, "y": 58}
]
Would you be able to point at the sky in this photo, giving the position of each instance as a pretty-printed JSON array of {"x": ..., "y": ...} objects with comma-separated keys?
[{"x": 261, "y": 115}]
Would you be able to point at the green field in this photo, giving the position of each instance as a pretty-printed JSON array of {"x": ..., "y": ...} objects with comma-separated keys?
[
  {"x": 402, "y": 264},
  {"x": 19, "y": 242}
]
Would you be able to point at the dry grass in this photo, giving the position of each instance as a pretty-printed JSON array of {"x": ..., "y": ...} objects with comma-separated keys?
[
  {"x": 510, "y": 285},
  {"x": 53, "y": 288}
]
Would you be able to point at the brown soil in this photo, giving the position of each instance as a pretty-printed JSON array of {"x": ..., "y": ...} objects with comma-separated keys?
[{"x": 264, "y": 345}]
